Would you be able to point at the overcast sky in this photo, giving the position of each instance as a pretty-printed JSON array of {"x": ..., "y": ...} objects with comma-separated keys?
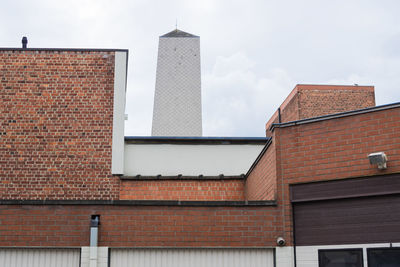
[{"x": 253, "y": 52}]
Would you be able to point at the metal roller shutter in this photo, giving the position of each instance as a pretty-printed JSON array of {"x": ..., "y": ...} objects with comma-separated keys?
[
  {"x": 349, "y": 211},
  {"x": 348, "y": 221},
  {"x": 29, "y": 257},
  {"x": 192, "y": 257}
]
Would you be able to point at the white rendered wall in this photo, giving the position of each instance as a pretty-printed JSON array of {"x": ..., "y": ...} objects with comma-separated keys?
[
  {"x": 189, "y": 160},
  {"x": 120, "y": 70},
  {"x": 307, "y": 256},
  {"x": 177, "y": 98}
]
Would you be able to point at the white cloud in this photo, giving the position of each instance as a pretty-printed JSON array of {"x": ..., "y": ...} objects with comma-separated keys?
[
  {"x": 252, "y": 52},
  {"x": 235, "y": 98}
]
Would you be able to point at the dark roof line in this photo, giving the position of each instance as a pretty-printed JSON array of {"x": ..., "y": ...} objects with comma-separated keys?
[
  {"x": 182, "y": 177},
  {"x": 339, "y": 85},
  {"x": 64, "y": 49},
  {"x": 334, "y": 116},
  {"x": 194, "y": 140},
  {"x": 179, "y": 203}
]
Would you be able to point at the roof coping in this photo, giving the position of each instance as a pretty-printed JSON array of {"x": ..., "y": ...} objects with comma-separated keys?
[{"x": 178, "y": 34}]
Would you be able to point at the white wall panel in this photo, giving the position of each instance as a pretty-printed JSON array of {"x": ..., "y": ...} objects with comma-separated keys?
[
  {"x": 117, "y": 166},
  {"x": 284, "y": 256},
  {"x": 27, "y": 257},
  {"x": 190, "y": 160},
  {"x": 102, "y": 257},
  {"x": 192, "y": 257}
]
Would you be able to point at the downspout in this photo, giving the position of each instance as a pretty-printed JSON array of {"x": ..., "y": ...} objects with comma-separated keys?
[
  {"x": 94, "y": 234},
  {"x": 279, "y": 115},
  {"x": 294, "y": 237}
]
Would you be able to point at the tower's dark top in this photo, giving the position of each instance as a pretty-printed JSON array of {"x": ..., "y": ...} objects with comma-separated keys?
[{"x": 178, "y": 33}]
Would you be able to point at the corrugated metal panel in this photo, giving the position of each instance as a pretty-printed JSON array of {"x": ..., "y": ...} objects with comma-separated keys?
[
  {"x": 27, "y": 257},
  {"x": 348, "y": 221},
  {"x": 347, "y": 188},
  {"x": 192, "y": 257}
]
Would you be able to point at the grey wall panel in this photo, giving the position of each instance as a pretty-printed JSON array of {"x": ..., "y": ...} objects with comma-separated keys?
[
  {"x": 192, "y": 257},
  {"x": 26, "y": 257},
  {"x": 348, "y": 221}
]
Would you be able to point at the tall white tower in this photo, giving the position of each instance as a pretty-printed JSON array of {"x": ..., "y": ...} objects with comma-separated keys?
[{"x": 177, "y": 98}]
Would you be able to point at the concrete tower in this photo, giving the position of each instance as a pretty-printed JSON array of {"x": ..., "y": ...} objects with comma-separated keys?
[{"x": 177, "y": 98}]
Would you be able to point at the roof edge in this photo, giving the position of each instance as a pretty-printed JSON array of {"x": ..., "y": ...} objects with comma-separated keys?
[
  {"x": 194, "y": 140},
  {"x": 334, "y": 116},
  {"x": 181, "y": 177},
  {"x": 178, "y": 34},
  {"x": 65, "y": 49},
  {"x": 332, "y": 85},
  {"x": 184, "y": 203}
]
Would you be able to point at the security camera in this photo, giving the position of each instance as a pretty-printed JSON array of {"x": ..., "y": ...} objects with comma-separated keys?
[
  {"x": 378, "y": 158},
  {"x": 280, "y": 241}
]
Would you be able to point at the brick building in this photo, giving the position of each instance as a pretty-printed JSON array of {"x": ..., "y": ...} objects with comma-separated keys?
[
  {"x": 65, "y": 165},
  {"x": 336, "y": 208}
]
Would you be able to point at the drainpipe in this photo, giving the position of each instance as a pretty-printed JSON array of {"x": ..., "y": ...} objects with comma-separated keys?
[
  {"x": 279, "y": 115},
  {"x": 94, "y": 233}
]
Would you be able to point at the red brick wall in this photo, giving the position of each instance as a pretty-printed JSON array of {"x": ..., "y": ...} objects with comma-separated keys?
[
  {"x": 338, "y": 148},
  {"x": 261, "y": 183},
  {"x": 183, "y": 190},
  {"x": 335, "y": 149},
  {"x": 56, "y": 110},
  {"x": 291, "y": 111},
  {"x": 307, "y": 101},
  {"x": 133, "y": 226},
  {"x": 317, "y": 100},
  {"x": 272, "y": 120}
]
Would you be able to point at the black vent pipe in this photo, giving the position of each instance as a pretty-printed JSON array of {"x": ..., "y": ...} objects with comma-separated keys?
[{"x": 24, "y": 42}]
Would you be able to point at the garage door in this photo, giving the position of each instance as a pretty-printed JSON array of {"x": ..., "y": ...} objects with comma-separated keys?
[
  {"x": 353, "y": 211},
  {"x": 350, "y": 221},
  {"x": 192, "y": 257},
  {"x": 12, "y": 257}
]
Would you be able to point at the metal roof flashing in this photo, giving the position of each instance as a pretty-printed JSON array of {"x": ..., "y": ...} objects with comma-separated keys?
[
  {"x": 194, "y": 140},
  {"x": 334, "y": 116},
  {"x": 64, "y": 49}
]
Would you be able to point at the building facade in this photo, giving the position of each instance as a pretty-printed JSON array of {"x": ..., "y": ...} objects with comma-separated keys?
[{"x": 72, "y": 195}]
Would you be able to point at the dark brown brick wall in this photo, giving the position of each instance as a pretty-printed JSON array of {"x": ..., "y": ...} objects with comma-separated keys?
[
  {"x": 56, "y": 110},
  {"x": 132, "y": 226}
]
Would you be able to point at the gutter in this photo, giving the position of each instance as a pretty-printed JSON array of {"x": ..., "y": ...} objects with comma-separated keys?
[
  {"x": 334, "y": 116},
  {"x": 177, "y": 203}
]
